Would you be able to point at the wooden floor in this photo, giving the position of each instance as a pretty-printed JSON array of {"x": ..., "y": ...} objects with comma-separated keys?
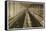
[{"x": 26, "y": 19}]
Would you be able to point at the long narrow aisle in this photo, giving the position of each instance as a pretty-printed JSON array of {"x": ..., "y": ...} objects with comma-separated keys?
[{"x": 27, "y": 21}]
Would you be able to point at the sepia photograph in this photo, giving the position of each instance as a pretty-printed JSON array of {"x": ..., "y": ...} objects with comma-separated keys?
[{"x": 25, "y": 15}]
